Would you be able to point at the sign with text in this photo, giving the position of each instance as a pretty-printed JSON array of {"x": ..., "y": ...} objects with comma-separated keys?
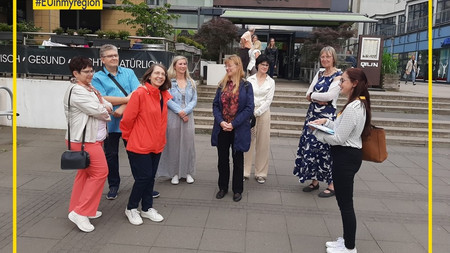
[
  {"x": 369, "y": 58},
  {"x": 305, "y": 4},
  {"x": 54, "y": 60}
]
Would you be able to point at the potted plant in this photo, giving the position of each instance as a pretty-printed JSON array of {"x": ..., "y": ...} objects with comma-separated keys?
[
  {"x": 111, "y": 37},
  {"x": 390, "y": 79}
]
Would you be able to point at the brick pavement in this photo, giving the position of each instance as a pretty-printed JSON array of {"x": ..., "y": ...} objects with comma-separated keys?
[{"x": 390, "y": 202}]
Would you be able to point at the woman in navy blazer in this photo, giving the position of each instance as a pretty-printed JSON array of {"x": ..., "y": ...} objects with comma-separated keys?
[{"x": 232, "y": 108}]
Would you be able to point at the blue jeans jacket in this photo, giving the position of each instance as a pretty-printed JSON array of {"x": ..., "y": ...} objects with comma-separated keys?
[{"x": 190, "y": 99}]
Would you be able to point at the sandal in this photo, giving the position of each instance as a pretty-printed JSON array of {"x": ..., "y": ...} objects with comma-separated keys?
[
  {"x": 311, "y": 187},
  {"x": 325, "y": 194}
]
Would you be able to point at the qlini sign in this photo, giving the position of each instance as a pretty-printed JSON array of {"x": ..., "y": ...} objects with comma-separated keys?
[{"x": 369, "y": 58}]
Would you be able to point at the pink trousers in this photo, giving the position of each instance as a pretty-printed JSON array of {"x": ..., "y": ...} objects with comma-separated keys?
[{"x": 88, "y": 185}]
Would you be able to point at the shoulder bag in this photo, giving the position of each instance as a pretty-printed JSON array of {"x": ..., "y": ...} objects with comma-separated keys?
[
  {"x": 116, "y": 82},
  {"x": 374, "y": 146},
  {"x": 74, "y": 160},
  {"x": 252, "y": 117}
]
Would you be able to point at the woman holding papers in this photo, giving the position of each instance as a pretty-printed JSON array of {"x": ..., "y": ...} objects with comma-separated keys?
[
  {"x": 313, "y": 159},
  {"x": 351, "y": 126}
]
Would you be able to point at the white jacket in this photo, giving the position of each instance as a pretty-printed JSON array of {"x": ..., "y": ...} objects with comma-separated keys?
[{"x": 85, "y": 110}]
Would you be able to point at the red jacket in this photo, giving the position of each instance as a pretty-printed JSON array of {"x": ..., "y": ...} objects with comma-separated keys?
[{"x": 143, "y": 123}]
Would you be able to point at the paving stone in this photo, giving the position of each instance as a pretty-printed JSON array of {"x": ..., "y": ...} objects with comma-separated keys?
[
  {"x": 231, "y": 219},
  {"x": 261, "y": 222},
  {"x": 179, "y": 237},
  {"x": 188, "y": 217},
  {"x": 223, "y": 240},
  {"x": 397, "y": 247}
]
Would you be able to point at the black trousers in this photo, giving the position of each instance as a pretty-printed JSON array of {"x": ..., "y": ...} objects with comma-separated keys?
[
  {"x": 225, "y": 141},
  {"x": 111, "y": 148},
  {"x": 143, "y": 167},
  {"x": 346, "y": 162},
  {"x": 243, "y": 53}
]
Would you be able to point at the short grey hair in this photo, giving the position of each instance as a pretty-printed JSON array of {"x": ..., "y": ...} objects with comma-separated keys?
[
  {"x": 331, "y": 51},
  {"x": 107, "y": 47}
]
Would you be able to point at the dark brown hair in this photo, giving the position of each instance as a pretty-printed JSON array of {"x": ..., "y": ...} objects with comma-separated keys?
[
  {"x": 360, "y": 92},
  {"x": 146, "y": 78},
  {"x": 79, "y": 63}
]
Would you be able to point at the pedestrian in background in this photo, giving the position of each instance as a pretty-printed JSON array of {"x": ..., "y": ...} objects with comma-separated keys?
[
  {"x": 178, "y": 158},
  {"x": 271, "y": 52},
  {"x": 144, "y": 127},
  {"x": 350, "y": 127},
  {"x": 411, "y": 70},
  {"x": 87, "y": 117},
  {"x": 313, "y": 159},
  {"x": 232, "y": 108},
  {"x": 245, "y": 46},
  {"x": 263, "y": 90},
  {"x": 253, "y": 54}
]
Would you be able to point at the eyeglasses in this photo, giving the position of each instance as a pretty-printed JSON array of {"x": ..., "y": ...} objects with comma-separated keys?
[
  {"x": 326, "y": 57},
  {"x": 229, "y": 66},
  {"x": 111, "y": 56},
  {"x": 87, "y": 72},
  {"x": 264, "y": 65},
  {"x": 342, "y": 80}
]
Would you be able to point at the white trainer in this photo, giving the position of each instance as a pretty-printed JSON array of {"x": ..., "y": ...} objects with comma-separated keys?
[
  {"x": 81, "y": 221},
  {"x": 339, "y": 243},
  {"x": 341, "y": 250},
  {"x": 133, "y": 216},
  {"x": 153, "y": 215},
  {"x": 175, "y": 180},
  {"x": 97, "y": 215},
  {"x": 189, "y": 179}
]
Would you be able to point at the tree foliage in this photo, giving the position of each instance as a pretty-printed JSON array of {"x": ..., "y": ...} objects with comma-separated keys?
[
  {"x": 216, "y": 34},
  {"x": 325, "y": 36},
  {"x": 151, "y": 21}
]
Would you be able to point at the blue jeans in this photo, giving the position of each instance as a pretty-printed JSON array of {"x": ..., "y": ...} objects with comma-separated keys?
[
  {"x": 111, "y": 148},
  {"x": 271, "y": 68},
  {"x": 143, "y": 168}
]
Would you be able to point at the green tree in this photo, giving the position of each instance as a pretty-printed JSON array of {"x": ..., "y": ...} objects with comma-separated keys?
[
  {"x": 151, "y": 21},
  {"x": 216, "y": 34},
  {"x": 325, "y": 36}
]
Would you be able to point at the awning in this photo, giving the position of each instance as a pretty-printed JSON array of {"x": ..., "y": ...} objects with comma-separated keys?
[
  {"x": 296, "y": 18},
  {"x": 446, "y": 43}
]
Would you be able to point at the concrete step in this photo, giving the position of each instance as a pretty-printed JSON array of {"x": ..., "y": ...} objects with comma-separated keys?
[
  {"x": 390, "y": 139},
  {"x": 410, "y": 107}
]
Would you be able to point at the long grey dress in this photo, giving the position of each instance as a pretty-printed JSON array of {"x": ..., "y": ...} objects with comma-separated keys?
[{"x": 178, "y": 157}]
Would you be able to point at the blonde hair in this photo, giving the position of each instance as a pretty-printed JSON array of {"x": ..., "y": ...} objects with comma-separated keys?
[
  {"x": 237, "y": 77},
  {"x": 171, "y": 72},
  {"x": 257, "y": 45},
  {"x": 331, "y": 51}
]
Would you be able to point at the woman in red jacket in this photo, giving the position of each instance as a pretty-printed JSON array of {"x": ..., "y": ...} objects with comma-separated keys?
[{"x": 144, "y": 126}]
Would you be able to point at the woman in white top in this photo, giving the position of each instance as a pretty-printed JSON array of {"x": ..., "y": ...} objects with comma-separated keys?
[
  {"x": 263, "y": 90},
  {"x": 87, "y": 117},
  {"x": 254, "y": 52},
  {"x": 350, "y": 127}
]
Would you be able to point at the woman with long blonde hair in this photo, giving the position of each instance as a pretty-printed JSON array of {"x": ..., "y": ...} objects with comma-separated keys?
[
  {"x": 178, "y": 158},
  {"x": 232, "y": 108}
]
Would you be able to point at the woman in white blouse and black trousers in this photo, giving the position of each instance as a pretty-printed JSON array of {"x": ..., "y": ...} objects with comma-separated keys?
[{"x": 351, "y": 125}]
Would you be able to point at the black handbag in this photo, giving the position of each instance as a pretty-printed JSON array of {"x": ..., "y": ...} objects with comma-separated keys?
[
  {"x": 74, "y": 160},
  {"x": 252, "y": 121}
]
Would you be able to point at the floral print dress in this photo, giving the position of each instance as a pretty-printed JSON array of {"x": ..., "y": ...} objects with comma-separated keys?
[{"x": 313, "y": 159}]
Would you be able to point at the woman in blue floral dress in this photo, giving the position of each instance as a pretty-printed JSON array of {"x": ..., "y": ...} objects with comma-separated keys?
[{"x": 313, "y": 159}]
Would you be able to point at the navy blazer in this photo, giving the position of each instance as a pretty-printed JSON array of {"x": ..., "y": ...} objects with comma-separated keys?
[{"x": 241, "y": 122}]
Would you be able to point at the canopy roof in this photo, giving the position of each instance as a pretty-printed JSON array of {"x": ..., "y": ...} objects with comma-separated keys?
[{"x": 297, "y": 18}]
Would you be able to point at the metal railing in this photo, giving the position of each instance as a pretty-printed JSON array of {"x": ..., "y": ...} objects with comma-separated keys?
[
  {"x": 8, "y": 113},
  {"x": 417, "y": 24}
]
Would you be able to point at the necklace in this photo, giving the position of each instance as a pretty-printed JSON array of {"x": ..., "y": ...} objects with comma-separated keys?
[{"x": 328, "y": 73}]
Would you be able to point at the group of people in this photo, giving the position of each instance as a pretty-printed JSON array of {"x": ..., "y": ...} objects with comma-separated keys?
[
  {"x": 251, "y": 50},
  {"x": 112, "y": 104},
  {"x": 154, "y": 117}
]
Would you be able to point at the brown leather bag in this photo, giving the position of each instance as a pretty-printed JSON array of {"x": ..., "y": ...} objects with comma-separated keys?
[{"x": 374, "y": 146}]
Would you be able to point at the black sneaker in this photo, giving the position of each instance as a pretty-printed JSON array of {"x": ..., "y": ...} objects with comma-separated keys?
[
  {"x": 112, "y": 194},
  {"x": 156, "y": 194}
]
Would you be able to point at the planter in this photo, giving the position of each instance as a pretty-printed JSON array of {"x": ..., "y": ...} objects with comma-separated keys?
[
  {"x": 9, "y": 36},
  {"x": 181, "y": 47},
  {"x": 69, "y": 39},
  {"x": 116, "y": 42},
  {"x": 391, "y": 82},
  {"x": 153, "y": 47}
]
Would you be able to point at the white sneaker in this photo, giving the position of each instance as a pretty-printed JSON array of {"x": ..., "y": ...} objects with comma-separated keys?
[
  {"x": 97, "y": 215},
  {"x": 81, "y": 221},
  {"x": 175, "y": 180},
  {"x": 341, "y": 250},
  {"x": 133, "y": 216},
  {"x": 339, "y": 243},
  {"x": 153, "y": 215},
  {"x": 189, "y": 179},
  {"x": 260, "y": 180}
]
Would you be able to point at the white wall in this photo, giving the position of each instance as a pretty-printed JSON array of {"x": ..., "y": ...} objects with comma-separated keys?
[
  {"x": 39, "y": 103},
  {"x": 215, "y": 73}
]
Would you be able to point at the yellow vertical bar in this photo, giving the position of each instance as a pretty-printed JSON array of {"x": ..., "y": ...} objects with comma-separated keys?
[
  {"x": 14, "y": 129},
  {"x": 430, "y": 126}
]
